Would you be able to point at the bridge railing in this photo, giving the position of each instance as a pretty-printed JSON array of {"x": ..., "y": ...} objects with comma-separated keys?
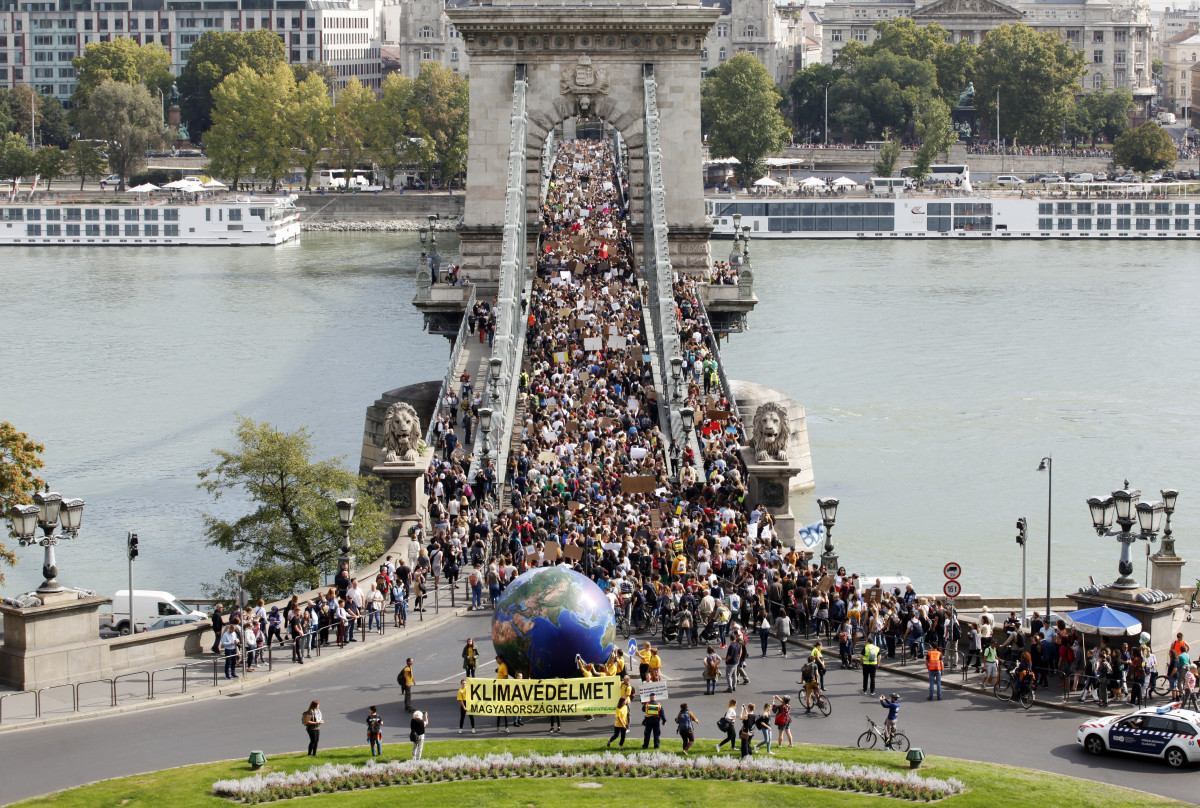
[
  {"x": 448, "y": 382},
  {"x": 508, "y": 345},
  {"x": 548, "y": 149},
  {"x": 660, "y": 275}
]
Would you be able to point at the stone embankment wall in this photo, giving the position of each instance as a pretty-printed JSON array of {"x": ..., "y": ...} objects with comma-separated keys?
[
  {"x": 413, "y": 209},
  {"x": 983, "y": 166}
]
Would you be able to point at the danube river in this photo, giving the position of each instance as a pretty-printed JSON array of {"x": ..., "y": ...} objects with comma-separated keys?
[{"x": 935, "y": 376}]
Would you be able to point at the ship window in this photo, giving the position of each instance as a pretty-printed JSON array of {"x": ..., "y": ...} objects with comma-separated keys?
[
  {"x": 261, "y": 213},
  {"x": 170, "y": 229},
  {"x": 73, "y": 214},
  {"x": 1065, "y": 209},
  {"x": 1161, "y": 208},
  {"x": 112, "y": 215},
  {"x": 1064, "y": 224},
  {"x": 1181, "y": 209},
  {"x": 131, "y": 215},
  {"x": 1104, "y": 209},
  {"x": 1104, "y": 224},
  {"x": 15, "y": 214},
  {"x": 1124, "y": 208},
  {"x": 33, "y": 215},
  {"x": 940, "y": 224},
  {"x": 149, "y": 215},
  {"x": 112, "y": 229},
  {"x": 54, "y": 230},
  {"x": 1083, "y": 224},
  {"x": 1124, "y": 224},
  {"x": 131, "y": 229},
  {"x": 973, "y": 222},
  {"x": 1141, "y": 208},
  {"x": 1143, "y": 224},
  {"x": 939, "y": 209},
  {"x": 208, "y": 214},
  {"x": 92, "y": 214},
  {"x": 150, "y": 229},
  {"x": 235, "y": 215},
  {"x": 33, "y": 229},
  {"x": 1181, "y": 224},
  {"x": 1162, "y": 224},
  {"x": 53, "y": 215},
  {"x": 1083, "y": 208},
  {"x": 91, "y": 229},
  {"x": 72, "y": 230},
  {"x": 1045, "y": 208},
  {"x": 1045, "y": 224},
  {"x": 170, "y": 215}
]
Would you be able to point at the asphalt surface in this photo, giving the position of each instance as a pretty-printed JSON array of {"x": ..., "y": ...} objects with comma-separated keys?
[{"x": 39, "y": 760}]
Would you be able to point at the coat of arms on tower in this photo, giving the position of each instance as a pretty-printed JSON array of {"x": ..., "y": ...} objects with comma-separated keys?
[{"x": 583, "y": 79}]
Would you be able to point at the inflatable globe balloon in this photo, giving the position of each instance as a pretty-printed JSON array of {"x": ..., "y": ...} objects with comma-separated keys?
[{"x": 548, "y": 616}]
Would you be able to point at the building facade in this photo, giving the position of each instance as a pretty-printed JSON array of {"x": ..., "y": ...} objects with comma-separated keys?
[
  {"x": 418, "y": 31},
  {"x": 1179, "y": 76},
  {"x": 39, "y": 40},
  {"x": 1115, "y": 35}
]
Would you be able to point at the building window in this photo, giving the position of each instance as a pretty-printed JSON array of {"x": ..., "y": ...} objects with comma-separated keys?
[
  {"x": 1120, "y": 36},
  {"x": 1098, "y": 57},
  {"x": 426, "y": 55},
  {"x": 835, "y": 35},
  {"x": 1097, "y": 81},
  {"x": 750, "y": 31},
  {"x": 426, "y": 32},
  {"x": 704, "y": 55},
  {"x": 1098, "y": 37},
  {"x": 861, "y": 34},
  {"x": 722, "y": 30},
  {"x": 1119, "y": 57},
  {"x": 721, "y": 55},
  {"x": 454, "y": 55}
]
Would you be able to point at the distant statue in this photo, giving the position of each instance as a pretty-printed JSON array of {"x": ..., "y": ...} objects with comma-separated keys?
[
  {"x": 770, "y": 438},
  {"x": 967, "y": 98},
  {"x": 401, "y": 433},
  {"x": 174, "y": 96}
]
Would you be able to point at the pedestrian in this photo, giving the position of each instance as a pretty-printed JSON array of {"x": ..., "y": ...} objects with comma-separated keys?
[
  {"x": 620, "y": 723},
  {"x": 312, "y": 721},
  {"x": 463, "y": 715},
  {"x": 416, "y": 733},
  {"x": 783, "y": 630},
  {"x": 501, "y": 673},
  {"x": 229, "y": 644},
  {"x": 746, "y": 733},
  {"x": 733, "y": 656},
  {"x": 296, "y": 632},
  {"x": 655, "y": 666},
  {"x": 406, "y": 682},
  {"x": 990, "y": 668},
  {"x": 870, "y": 664},
  {"x": 712, "y": 670},
  {"x": 763, "y": 725},
  {"x": 728, "y": 724},
  {"x": 686, "y": 722},
  {"x": 783, "y": 719},
  {"x": 375, "y": 732},
  {"x": 470, "y": 655},
  {"x": 218, "y": 627},
  {"x": 933, "y": 664},
  {"x": 652, "y": 721}
]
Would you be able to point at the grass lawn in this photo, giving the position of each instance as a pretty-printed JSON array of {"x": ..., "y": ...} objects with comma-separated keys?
[{"x": 990, "y": 786}]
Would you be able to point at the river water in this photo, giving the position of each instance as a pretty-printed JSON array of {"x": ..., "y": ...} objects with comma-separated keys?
[{"x": 935, "y": 377}]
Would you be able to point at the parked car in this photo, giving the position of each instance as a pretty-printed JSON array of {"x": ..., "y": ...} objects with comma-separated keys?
[
  {"x": 1052, "y": 178},
  {"x": 1162, "y": 732},
  {"x": 111, "y": 179},
  {"x": 1124, "y": 178},
  {"x": 1101, "y": 177},
  {"x": 1006, "y": 180}
]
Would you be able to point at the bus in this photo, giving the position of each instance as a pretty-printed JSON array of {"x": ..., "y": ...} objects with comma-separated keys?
[{"x": 942, "y": 173}]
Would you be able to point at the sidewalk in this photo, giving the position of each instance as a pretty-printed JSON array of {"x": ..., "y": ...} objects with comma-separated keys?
[{"x": 191, "y": 678}]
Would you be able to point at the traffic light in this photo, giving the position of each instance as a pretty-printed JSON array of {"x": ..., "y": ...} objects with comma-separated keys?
[
  {"x": 1021, "y": 531},
  {"x": 132, "y": 545}
]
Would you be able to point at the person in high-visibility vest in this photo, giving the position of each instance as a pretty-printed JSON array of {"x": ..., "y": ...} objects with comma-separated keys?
[
  {"x": 652, "y": 721},
  {"x": 870, "y": 664},
  {"x": 933, "y": 663}
]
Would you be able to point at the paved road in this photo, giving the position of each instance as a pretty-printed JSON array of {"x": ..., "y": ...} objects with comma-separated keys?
[{"x": 267, "y": 718}]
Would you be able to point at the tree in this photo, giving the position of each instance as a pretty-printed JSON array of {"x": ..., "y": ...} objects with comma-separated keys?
[
  {"x": 19, "y": 462},
  {"x": 391, "y": 136},
  {"x": 128, "y": 118},
  {"x": 1015, "y": 58},
  {"x": 806, "y": 91},
  {"x": 326, "y": 73},
  {"x": 889, "y": 155},
  {"x": 1107, "y": 112},
  {"x": 16, "y": 160},
  {"x": 883, "y": 91},
  {"x": 50, "y": 162},
  {"x": 50, "y": 121},
  {"x": 928, "y": 43},
  {"x": 85, "y": 160},
  {"x": 351, "y": 120},
  {"x": 253, "y": 125},
  {"x": 439, "y": 97},
  {"x": 216, "y": 55},
  {"x": 1145, "y": 149},
  {"x": 293, "y": 531},
  {"x": 739, "y": 113},
  {"x": 121, "y": 59},
  {"x": 936, "y": 133},
  {"x": 313, "y": 122}
]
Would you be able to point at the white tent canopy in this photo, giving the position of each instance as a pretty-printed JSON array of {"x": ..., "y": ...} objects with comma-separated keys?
[
  {"x": 184, "y": 185},
  {"x": 766, "y": 182},
  {"x": 812, "y": 182},
  {"x": 142, "y": 189},
  {"x": 843, "y": 182},
  {"x": 213, "y": 185}
]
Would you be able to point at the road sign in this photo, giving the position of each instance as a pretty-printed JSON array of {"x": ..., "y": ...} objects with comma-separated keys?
[
  {"x": 952, "y": 589},
  {"x": 952, "y": 570},
  {"x": 632, "y": 648}
]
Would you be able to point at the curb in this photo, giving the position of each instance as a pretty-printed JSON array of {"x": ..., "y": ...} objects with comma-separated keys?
[{"x": 244, "y": 684}]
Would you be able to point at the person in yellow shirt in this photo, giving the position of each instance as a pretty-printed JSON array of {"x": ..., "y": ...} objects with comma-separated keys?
[
  {"x": 644, "y": 662},
  {"x": 679, "y": 565},
  {"x": 626, "y": 690},
  {"x": 620, "y": 722},
  {"x": 501, "y": 673},
  {"x": 462, "y": 707},
  {"x": 655, "y": 666}
]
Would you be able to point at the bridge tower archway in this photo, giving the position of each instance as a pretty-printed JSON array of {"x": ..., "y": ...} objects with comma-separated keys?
[{"x": 583, "y": 61}]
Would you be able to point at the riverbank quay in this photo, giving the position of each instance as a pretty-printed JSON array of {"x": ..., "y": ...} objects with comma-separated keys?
[{"x": 384, "y": 206}]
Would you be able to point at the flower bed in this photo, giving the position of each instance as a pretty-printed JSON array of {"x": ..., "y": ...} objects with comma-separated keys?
[{"x": 331, "y": 778}]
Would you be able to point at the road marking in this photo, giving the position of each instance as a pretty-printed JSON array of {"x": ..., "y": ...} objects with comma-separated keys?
[{"x": 460, "y": 675}]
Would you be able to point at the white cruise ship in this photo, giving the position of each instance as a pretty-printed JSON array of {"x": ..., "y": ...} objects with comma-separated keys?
[
  {"x": 1125, "y": 214},
  {"x": 232, "y": 222}
]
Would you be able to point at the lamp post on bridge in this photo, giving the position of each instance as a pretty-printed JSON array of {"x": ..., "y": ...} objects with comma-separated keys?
[
  {"x": 676, "y": 373},
  {"x": 828, "y": 506},
  {"x": 485, "y": 426},
  {"x": 345, "y": 509},
  {"x": 46, "y": 512},
  {"x": 496, "y": 365}
]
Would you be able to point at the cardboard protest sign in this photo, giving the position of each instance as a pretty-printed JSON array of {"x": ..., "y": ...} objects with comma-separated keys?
[
  {"x": 592, "y": 343},
  {"x": 572, "y": 552},
  {"x": 638, "y": 484}
]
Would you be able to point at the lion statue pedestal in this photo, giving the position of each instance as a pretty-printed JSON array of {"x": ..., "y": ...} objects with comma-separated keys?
[
  {"x": 769, "y": 484},
  {"x": 403, "y": 463}
]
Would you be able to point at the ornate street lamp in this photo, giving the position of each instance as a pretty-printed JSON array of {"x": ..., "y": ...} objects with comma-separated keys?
[
  {"x": 1047, "y": 465},
  {"x": 345, "y": 509},
  {"x": 497, "y": 366},
  {"x": 1124, "y": 508},
  {"x": 735, "y": 253},
  {"x": 688, "y": 416},
  {"x": 46, "y": 512},
  {"x": 745, "y": 244},
  {"x": 828, "y": 506},
  {"x": 676, "y": 373},
  {"x": 1169, "y": 495},
  {"x": 485, "y": 426}
]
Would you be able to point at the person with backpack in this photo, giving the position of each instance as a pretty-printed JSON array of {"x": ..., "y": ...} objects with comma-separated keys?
[
  {"x": 311, "y": 720},
  {"x": 375, "y": 732},
  {"x": 712, "y": 671},
  {"x": 783, "y": 718},
  {"x": 686, "y": 722},
  {"x": 406, "y": 682},
  {"x": 870, "y": 664}
]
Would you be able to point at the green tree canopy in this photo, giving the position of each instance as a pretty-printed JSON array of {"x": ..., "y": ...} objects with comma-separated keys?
[
  {"x": 393, "y": 137},
  {"x": 1106, "y": 111},
  {"x": 121, "y": 59},
  {"x": 883, "y": 91},
  {"x": 16, "y": 160},
  {"x": 293, "y": 531},
  {"x": 937, "y": 135},
  {"x": 85, "y": 160},
  {"x": 351, "y": 124},
  {"x": 216, "y": 55},
  {"x": 931, "y": 43},
  {"x": 1145, "y": 149},
  {"x": 50, "y": 120},
  {"x": 806, "y": 91},
  {"x": 739, "y": 113},
  {"x": 313, "y": 122},
  {"x": 1015, "y": 59},
  {"x": 128, "y": 118},
  {"x": 50, "y": 162},
  {"x": 439, "y": 98},
  {"x": 254, "y": 125},
  {"x": 19, "y": 462},
  {"x": 889, "y": 155}
]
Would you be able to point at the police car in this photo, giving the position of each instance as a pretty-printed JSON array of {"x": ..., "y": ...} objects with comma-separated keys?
[{"x": 1167, "y": 732}]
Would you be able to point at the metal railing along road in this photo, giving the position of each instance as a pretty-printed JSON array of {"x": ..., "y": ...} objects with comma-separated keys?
[{"x": 449, "y": 380}]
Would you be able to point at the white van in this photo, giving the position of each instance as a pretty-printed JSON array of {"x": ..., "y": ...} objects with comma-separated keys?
[
  {"x": 1007, "y": 180},
  {"x": 1166, "y": 119},
  {"x": 148, "y": 606},
  {"x": 336, "y": 178},
  {"x": 889, "y": 186}
]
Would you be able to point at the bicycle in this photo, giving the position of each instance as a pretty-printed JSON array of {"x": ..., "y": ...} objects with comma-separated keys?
[
  {"x": 1003, "y": 690},
  {"x": 1191, "y": 607},
  {"x": 821, "y": 703},
  {"x": 894, "y": 742}
]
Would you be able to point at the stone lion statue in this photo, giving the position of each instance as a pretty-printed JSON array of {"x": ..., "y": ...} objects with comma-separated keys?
[
  {"x": 401, "y": 433},
  {"x": 770, "y": 437}
]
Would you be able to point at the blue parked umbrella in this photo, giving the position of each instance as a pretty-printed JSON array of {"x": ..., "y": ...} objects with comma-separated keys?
[{"x": 1105, "y": 621}]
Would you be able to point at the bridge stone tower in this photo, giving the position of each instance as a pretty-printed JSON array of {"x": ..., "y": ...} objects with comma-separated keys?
[{"x": 584, "y": 61}]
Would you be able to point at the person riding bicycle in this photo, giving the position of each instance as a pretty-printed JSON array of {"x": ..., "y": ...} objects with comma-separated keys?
[
  {"x": 892, "y": 702},
  {"x": 1023, "y": 675},
  {"x": 810, "y": 676}
]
